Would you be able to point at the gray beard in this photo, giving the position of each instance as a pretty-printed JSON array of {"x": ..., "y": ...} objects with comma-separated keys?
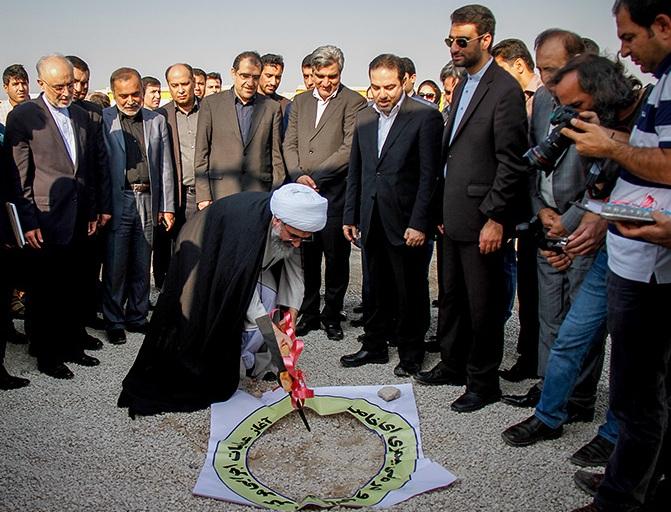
[{"x": 278, "y": 246}]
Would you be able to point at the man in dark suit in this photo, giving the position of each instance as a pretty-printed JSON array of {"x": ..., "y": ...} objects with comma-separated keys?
[
  {"x": 138, "y": 146},
  {"x": 53, "y": 152},
  {"x": 317, "y": 148},
  {"x": 483, "y": 144},
  {"x": 96, "y": 246},
  {"x": 392, "y": 176},
  {"x": 238, "y": 144}
]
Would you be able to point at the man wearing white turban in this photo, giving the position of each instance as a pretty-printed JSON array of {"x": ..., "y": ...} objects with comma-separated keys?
[{"x": 235, "y": 261}]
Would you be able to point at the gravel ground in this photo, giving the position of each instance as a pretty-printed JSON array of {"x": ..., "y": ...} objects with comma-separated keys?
[{"x": 64, "y": 446}]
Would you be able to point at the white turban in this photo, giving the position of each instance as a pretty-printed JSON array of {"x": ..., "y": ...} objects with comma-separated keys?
[{"x": 300, "y": 207}]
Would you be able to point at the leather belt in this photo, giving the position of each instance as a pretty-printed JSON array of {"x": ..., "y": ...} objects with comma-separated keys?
[{"x": 138, "y": 187}]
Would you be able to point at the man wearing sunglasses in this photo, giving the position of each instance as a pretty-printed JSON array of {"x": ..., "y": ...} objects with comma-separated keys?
[
  {"x": 236, "y": 261},
  {"x": 483, "y": 143}
]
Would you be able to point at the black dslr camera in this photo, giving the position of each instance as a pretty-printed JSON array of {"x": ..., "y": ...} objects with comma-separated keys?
[
  {"x": 545, "y": 155},
  {"x": 536, "y": 230}
]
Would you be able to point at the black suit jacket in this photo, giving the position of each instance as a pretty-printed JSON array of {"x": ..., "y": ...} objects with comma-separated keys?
[
  {"x": 486, "y": 172},
  {"x": 54, "y": 193},
  {"x": 103, "y": 179},
  {"x": 402, "y": 180}
]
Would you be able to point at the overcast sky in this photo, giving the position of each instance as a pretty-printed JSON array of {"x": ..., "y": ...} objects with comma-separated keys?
[{"x": 151, "y": 35}]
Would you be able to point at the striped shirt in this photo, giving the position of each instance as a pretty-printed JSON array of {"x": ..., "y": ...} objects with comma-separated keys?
[{"x": 638, "y": 260}]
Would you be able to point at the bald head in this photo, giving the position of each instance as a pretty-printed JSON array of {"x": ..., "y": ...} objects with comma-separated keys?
[
  {"x": 182, "y": 85},
  {"x": 55, "y": 75}
]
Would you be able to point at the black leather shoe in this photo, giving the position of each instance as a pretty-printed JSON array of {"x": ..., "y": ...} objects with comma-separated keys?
[
  {"x": 91, "y": 343},
  {"x": 440, "y": 375},
  {"x": 407, "y": 369},
  {"x": 333, "y": 331},
  {"x": 595, "y": 453},
  {"x": 518, "y": 372},
  {"x": 529, "y": 432},
  {"x": 364, "y": 357},
  {"x": 530, "y": 399},
  {"x": 470, "y": 401},
  {"x": 141, "y": 328},
  {"x": 116, "y": 336},
  {"x": 587, "y": 481},
  {"x": 8, "y": 381},
  {"x": 306, "y": 325},
  {"x": 587, "y": 508},
  {"x": 83, "y": 360},
  {"x": 17, "y": 338},
  {"x": 578, "y": 414},
  {"x": 57, "y": 371}
]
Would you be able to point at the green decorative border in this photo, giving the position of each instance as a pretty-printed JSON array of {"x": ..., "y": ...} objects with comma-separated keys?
[{"x": 399, "y": 437}]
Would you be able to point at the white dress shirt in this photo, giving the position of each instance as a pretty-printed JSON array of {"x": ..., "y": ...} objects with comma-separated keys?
[
  {"x": 322, "y": 104},
  {"x": 385, "y": 123},
  {"x": 64, "y": 123}
]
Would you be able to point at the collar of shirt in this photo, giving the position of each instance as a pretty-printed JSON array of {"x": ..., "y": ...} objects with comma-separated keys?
[
  {"x": 477, "y": 76},
  {"x": 251, "y": 100},
  {"x": 533, "y": 85},
  {"x": 196, "y": 106},
  {"x": 663, "y": 67},
  {"x": 136, "y": 118},
  {"x": 315, "y": 93},
  {"x": 393, "y": 112},
  {"x": 55, "y": 110}
]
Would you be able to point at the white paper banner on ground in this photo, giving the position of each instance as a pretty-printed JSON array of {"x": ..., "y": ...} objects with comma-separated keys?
[{"x": 237, "y": 423}]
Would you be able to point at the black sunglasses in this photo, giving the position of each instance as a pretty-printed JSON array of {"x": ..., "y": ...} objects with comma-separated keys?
[{"x": 462, "y": 42}]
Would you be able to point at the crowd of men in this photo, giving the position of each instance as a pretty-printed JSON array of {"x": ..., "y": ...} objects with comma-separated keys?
[{"x": 498, "y": 183}]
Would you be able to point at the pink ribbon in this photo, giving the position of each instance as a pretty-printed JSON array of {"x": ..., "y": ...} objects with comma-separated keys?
[{"x": 299, "y": 389}]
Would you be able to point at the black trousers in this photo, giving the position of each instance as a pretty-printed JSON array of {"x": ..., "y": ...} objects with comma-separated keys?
[
  {"x": 57, "y": 274},
  {"x": 334, "y": 247},
  {"x": 95, "y": 248},
  {"x": 472, "y": 311},
  {"x": 640, "y": 392},
  {"x": 164, "y": 241},
  {"x": 527, "y": 296},
  {"x": 400, "y": 285}
]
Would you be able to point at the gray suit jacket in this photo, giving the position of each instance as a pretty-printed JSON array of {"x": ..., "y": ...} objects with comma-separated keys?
[
  {"x": 568, "y": 178},
  {"x": 322, "y": 152},
  {"x": 157, "y": 144},
  {"x": 223, "y": 164}
]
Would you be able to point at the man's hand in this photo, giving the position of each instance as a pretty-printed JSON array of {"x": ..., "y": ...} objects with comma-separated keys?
[
  {"x": 441, "y": 229},
  {"x": 167, "y": 219},
  {"x": 595, "y": 142},
  {"x": 588, "y": 236},
  {"x": 491, "y": 237},
  {"x": 204, "y": 204},
  {"x": 560, "y": 261},
  {"x": 103, "y": 218},
  {"x": 351, "y": 233},
  {"x": 657, "y": 233},
  {"x": 93, "y": 225},
  {"x": 308, "y": 181},
  {"x": 34, "y": 238},
  {"x": 551, "y": 221},
  {"x": 414, "y": 238}
]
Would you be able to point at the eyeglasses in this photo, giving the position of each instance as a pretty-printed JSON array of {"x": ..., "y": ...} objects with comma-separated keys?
[
  {"x": 248, "y": 76},
  {"x": 61, "y": 88},
  {"x": 462, "y": 42},
  {"x": 428, "y": 95},
  {"x": 294, "y": 237}
]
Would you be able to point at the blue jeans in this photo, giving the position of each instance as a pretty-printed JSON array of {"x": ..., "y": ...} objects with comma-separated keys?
[{"x": 584, "y": 326}]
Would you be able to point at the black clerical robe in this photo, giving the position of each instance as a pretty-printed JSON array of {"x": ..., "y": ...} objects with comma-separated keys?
[{"x": 191, "y": 356}]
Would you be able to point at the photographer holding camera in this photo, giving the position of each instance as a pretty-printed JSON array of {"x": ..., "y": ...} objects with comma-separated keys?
[
  {"x": 587, "y": 81},
  {"x": 638, "y": 474}
]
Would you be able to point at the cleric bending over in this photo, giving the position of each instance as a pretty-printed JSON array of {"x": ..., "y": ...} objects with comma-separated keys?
[{"x": 235, "y": 261}]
